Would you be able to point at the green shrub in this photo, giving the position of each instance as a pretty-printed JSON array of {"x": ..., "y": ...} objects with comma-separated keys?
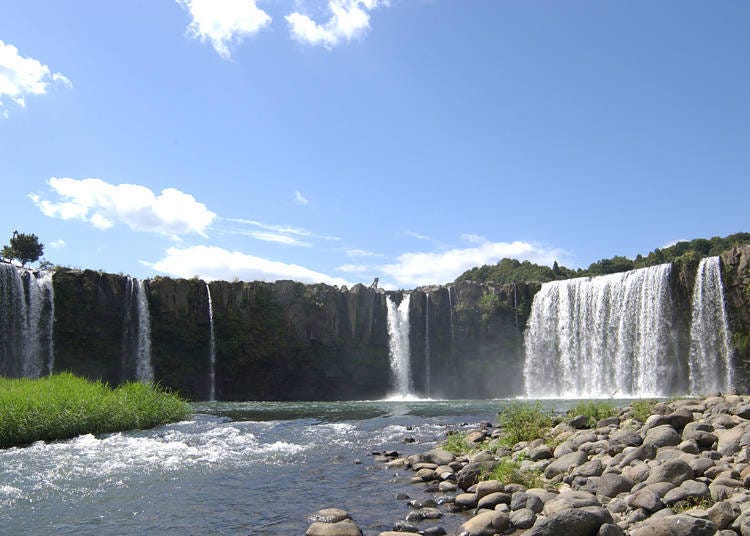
[
  {"x": 456, "y": 443},
  {"x": 642, "y": 409},
  {"x": 524, "y": 421},
  {"x": 509, "y": 472},
  {"x": 594, "y": 410},
  {"x": 64, "y": 406}
]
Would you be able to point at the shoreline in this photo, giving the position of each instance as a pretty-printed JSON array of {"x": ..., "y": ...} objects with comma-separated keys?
[{"x": 683, "y": 469}]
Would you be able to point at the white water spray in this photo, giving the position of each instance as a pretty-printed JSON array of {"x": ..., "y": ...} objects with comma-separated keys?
[
  {"x": 601, "y": 336},
  {"x": 710, "y": 348},
  {"x": 137, "y": 332},
  {"x": 398, "y": 345}
]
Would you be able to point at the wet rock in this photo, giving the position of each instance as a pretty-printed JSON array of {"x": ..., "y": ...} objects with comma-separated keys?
[
  {"x": 405, "y": 526},
  {"x": 347, "y": 527},
  {"x": 434, "y": 531}
]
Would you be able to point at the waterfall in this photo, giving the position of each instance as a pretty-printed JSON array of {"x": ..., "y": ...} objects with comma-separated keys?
[
  {"x": 26, "y": 322},
  {"x": 427, "y": 373},
  {"x": 211, "y": 349},
  {"x": 601, "y": 336},
  {"x": 515, "y": 304},
  {"x": 710, "y": 348},
  {"x": 398, "y": 343},
  {"x": 137, "y": 332}
]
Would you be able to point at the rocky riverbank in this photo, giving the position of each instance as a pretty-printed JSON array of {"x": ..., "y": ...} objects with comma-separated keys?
[{"x": 662, "y": 469}]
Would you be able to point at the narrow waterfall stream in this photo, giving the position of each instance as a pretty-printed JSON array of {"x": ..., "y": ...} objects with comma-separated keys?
[
  {"x": 398, "y": 345},
  {"x": 211, "y": 349}
]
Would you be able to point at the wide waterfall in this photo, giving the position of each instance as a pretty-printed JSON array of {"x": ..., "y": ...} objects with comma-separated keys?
[
  {"x": 211, "y": 349},
  {"x": 27, "y": 314},
  {"x": 136, "y": 356},
  {"x": 398, "y": 345},
  {"x": 601, "y": 336},
  {"x": 710, "y": 347}
]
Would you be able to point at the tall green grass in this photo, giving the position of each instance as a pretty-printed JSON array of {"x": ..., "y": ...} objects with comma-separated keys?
[
  {"x": 64, "y": 406},
  {"x": 524, "y": 421},
  {"x": 593, "y": 410}
]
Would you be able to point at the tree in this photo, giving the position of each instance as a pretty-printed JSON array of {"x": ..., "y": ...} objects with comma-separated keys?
[{"x": 24, "y": 247}]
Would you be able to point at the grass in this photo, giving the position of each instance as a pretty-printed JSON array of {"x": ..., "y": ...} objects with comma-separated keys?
[
  {"x": 509, "y": 471},
  {"x": 456, "y": 443},
  {"x": 524, "y": 421},
  {"x": 642, "y": 409},
  {"x": 594, "y": 410},
  {"x": 693, "y": 502},
  {"x": 64, "y": 406}
]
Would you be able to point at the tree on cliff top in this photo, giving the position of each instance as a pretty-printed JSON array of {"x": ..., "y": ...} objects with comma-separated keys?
[{"x": 24, "y": 247}]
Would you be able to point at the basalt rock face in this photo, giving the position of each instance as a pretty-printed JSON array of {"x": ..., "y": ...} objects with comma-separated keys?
[
  {"x": 289, "y": 341},
  {"x": 88, "y": 333},
  {"x": 736, "y": 276},
  {"x": 471, "y": 334}
]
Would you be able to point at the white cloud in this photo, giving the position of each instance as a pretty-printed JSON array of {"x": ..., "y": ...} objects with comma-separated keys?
[
  {"x": 349, "y": 20},
  {"x": 415, "y": 269},
  {"x": 473, "y": 239},
  {"x": 416, "y": 235},
  {"x": 21, "y": 76},
  {"x": 101, "y": 204},
  {"x": 224, "y": 22},
  {"x": 674, "y": 243},
  {"x": 210, "y": 263},
  {"x": 57, "y": 244},
  {"x": 352, "y": 268},
  {"x": 282, "y": 229},
  {"x": 300, "y": 199},
  {"x": 361, "y": 253},
  {"x": 279, "y": 238}
]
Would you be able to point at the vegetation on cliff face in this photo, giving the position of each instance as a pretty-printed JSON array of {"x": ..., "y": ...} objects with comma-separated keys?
[
  {"x": 688, "y": 253},
  {"x": 64, "y": 406}
]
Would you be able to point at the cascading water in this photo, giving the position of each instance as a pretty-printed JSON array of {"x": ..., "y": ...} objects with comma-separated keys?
[
  {"x": 211, "y": 349},
  {"x": 601, "y": 336},
  {"x": 427, "y": 372},
  {"x": 26, "y": 322},
  {"x": 710, "y": 348},
  {"x": 398, "y": 345},
  {"x": 137, "y": 332},
  {"x": 450, "y": 311}
]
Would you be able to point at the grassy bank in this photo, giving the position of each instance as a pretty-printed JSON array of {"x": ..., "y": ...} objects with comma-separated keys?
[{"x": 63, "y": 406}]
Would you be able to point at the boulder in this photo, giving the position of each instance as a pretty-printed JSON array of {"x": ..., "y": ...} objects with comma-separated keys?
[
  {"x": 564, "y": 463},
  {"x": 675, "y": 525},
  {"x": 663, "y": 436},
  {"x": 646, "y": 499},
  {"x": 569, "y": 499},
  {"x": 624, "y": 438},
  {"x": 571, "y": 522},
  {"x": 690, "y": 489},
  {"x": 346, "y": 527},
  {"x": 611, "y": 484},
  {"x": 486, "y": 524},
  {"x": 329, "y": 515},
  {"x": 522, "y": 518},
  {"x": 487, "y": 487},
  {"x": 723, "y": 514},
  {"x": 493, "y": 499},
  {"x": 469, "y": 475},
  {"x": 675, "y": 471}
]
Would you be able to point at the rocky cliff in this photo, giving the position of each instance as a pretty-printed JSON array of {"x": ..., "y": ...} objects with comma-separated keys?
[{"x": 736, "y": 274}]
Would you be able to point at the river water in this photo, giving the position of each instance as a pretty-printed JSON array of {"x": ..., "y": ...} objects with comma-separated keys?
[{"x": 233, "y": 469}]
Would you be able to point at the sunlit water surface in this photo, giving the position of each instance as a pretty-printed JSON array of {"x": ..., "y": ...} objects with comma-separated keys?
[{"x": 233, "y": 469}]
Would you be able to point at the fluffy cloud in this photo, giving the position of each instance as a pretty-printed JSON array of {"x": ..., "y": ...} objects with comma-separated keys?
[
  {"x": 224, "y": 22},
  {"x": 349, "y": 20},
  {"x": 101, "y": 204},
  {"x": 414, "y": 269},
  {"x": 21, "y": 76},
  {"x": 57, "y": 244},
  {"x": 352, "y": 268},
  {"x": 209, "y": 262}
]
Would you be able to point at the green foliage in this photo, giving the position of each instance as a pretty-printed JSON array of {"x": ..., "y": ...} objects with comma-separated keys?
[
  {"x": 693, "y": 502},
  {"x": 642, "y": 409},
  {"x": 524, "y": 421},
  {"x": 514, "y": 271},
  {"x": 24, "y": 247},
  {"x": 509, "y": 471},
  {"x": 64, "y": 406},
  {"x": 595, "y": 410},
  {"x": 456, "y": 443}
]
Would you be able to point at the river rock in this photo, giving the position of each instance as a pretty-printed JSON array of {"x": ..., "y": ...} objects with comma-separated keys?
[
  {"x": 690, "y": 489},
  {"x": 487, "y": 487},
  {"x": 469, "y": 475},
  {"x": 329, "y": 515},
  {"x": 571, "y": 522},
  {"x": 646, "y": 499},
  {"x": 608, "y": 529},
  {"x": 564, "y": 463},
  {"x": 486, "y": 524},
  {"x": 569, "y": 499},
  {"x": 673, "y": 471},
  {"x": 493, "y": 499},
  {"x": 723, "y": 513},
  {"x": 347, "y": 527},
  {"x": 624, "y": 438},
  {"x": 663, "y": 436},
  {"x": 611, "y": 484},
  {"x": 522, "y": 518},
  {"x": 675, "y": 525}
]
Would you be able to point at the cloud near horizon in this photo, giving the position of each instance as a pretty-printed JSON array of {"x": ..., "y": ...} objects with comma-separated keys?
[
  {"x": 224, "y": 22},
  {"x": 416, "y": 269},
  {"x": 171, "y": 213},
  {"x": 20, "y": 77},
  {"x": 212, "y": 263},
  {"x": 349, "y": 20}
]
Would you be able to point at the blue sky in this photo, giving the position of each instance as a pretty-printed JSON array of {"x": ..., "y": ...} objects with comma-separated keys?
[{"x": 342, "y": 140}]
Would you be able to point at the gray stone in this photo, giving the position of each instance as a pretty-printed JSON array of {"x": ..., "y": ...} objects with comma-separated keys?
[
  {"x": 637, "y": 473},
  {"x": 579, "y": 438},
  {"x": 720, "y": 493},
  {"x": 624, "y": 438},
  {"x": 700, "y": 465},
  {"x": 476, "y": 436},
  {"x": 486, "y": 524},
  {"x": 675, "y": 525},
  {"x": 673, "y": 471},
  {"x": 487, "y": 487},
  {"x": 329, "y": 515},
  {"x": 542, "y": 452},
  {"x": 608, "y": 529},
  {"x": 571, "y": 522},
  {"x": 591, "y": 468},
  {"x": 609, "y": 421},
  {"x": 690, "y": 489},
  {"x": 346, "y": 527},
  {"x": 647, "y": 451},
  {"x": 440, "y": 456},
  {"x": 611, "y": 484},
  {"x": 680, "y": 418},
  {"x": 466, "y": 500},
  {"x": 579, "y": 421},
  {"x": 493, "y": 499},
  {"x": 646, "y": 499},
  {"x": 689, "y": 446},
  {"x": 523, "y": 518},
  {"x": 526, "y": 500},
  {"x": 569, "y": 499},
  {"x": 564, "y": 463},
  {"x": 469, "y": 475},
  {"x": 663, "y": 436},
  {"x": 723, "y": 513},
  {"x": 729, "y": 440}
]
